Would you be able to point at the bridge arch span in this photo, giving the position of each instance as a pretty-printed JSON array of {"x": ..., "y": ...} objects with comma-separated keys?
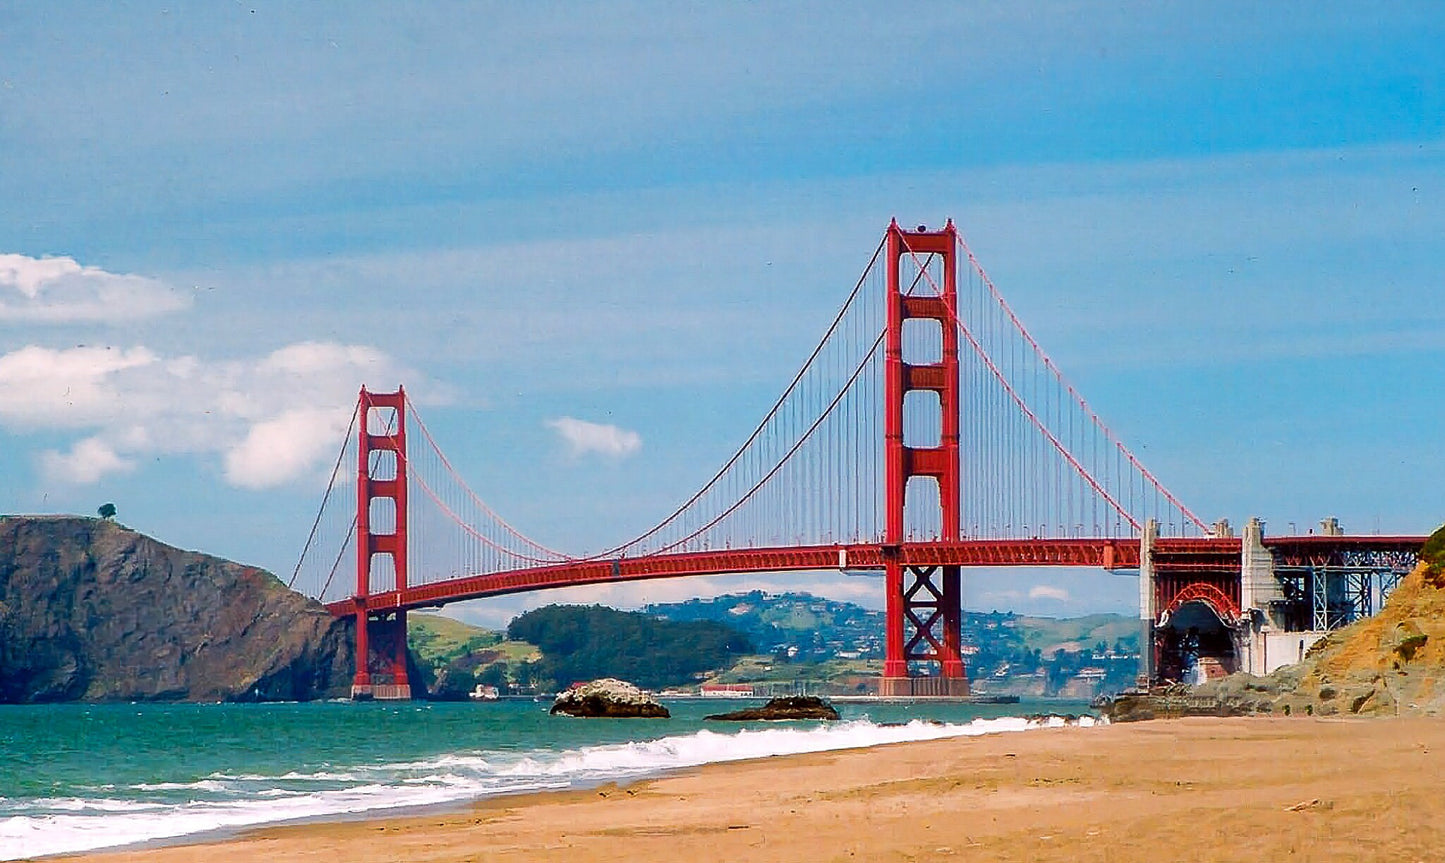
[
  {"x": 1105, "y": 554},
  {"x": 1209, "y": 595},
  {"x": 1197, "y": 637}
]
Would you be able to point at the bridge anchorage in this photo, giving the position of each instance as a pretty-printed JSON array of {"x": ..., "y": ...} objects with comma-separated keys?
[
  {"x": 926, "y": 433},
  {"x": 1226, "y": 603}
]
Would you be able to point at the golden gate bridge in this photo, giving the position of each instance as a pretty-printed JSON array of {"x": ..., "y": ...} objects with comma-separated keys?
[{"x": 927, "y": 432}]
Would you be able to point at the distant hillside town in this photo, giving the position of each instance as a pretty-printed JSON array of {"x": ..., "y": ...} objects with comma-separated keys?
[{"x": 757, "y": 644}]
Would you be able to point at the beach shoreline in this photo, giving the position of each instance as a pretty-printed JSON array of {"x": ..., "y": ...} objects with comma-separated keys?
[
  {"x": 210, "y": 800},
  {"x": 1316, "y": 789}
]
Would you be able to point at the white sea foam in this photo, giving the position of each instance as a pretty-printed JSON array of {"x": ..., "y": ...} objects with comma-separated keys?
[
  {"x": 319, "y": 776},
  {"x": 56, "y": 826},
  {"x": 80, "y": 804},
  {"x": 202, "y": 785}
]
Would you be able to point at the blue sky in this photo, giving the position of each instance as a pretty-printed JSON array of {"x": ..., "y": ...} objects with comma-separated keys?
[{"x": 1224, "y": 221}]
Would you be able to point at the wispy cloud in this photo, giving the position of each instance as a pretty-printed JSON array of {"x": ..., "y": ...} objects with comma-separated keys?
[
  {"x": 87, "y": 461},
  {"x": 1161, "y": 244},
  {"x": 60, "y": 290},
  {"x": 582, "y": 437},
  {"x": 271, "y": 419},
  {"x": 1046, "y": 591}
]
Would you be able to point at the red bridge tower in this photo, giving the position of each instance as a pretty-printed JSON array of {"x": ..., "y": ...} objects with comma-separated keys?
[
  {"x": 924, "y": 603},
  {"x": 380, "y": 632}
]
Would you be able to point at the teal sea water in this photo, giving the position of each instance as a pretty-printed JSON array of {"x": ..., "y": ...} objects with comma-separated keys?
[{"x": 78, "y": 777}]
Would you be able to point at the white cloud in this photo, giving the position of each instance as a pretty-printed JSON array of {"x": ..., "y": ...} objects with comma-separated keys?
[
  {"x": 277, "y": 450},
  {"x": 74, "y": 387},
  {"x": 60, "y": 290},
  {"x": 88, "y": 461},
  {"x": 1045, "y": 591},
  {"x": 271, "y": 419},
  {"x": 583, "y": 437}
]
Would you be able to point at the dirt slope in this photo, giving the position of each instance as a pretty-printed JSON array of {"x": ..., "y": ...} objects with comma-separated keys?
[{"x": 1389, "y": 664}]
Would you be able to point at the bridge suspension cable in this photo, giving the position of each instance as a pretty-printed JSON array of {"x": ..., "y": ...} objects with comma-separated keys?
[
  {"x": 335, "y": 524},
  {"x": 513, "y": 539},
  {"x": 1036, "y": 461},
  {"x": 779, "y": 436},
  {"x": 1031, "y": 436},
  {"x": 311, "y": 537},
  {"x": 1076, "y": 396}
]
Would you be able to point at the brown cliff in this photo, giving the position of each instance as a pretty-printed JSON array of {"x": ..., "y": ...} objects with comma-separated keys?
[{"x": 93, "y": 611}]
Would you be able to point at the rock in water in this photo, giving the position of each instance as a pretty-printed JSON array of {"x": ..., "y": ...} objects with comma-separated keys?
[
  {"x": 791, "y": 707},
  {"x": 93, "y": 611},
  {"x": 608, "y": 697}
]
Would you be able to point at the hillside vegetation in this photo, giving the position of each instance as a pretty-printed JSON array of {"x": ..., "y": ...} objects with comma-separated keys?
[
  {"x": 581, "y": 643},
  {"x": 451, "y": 657},
  {"x": 1049, "y": 634},
  {"x": 796, "y": 626},
  {"x": 801, "y": 637},
  {"x": 789, "y": 641}
]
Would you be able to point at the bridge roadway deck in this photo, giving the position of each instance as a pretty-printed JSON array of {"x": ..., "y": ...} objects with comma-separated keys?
[{"x": 1210, "y": 552}]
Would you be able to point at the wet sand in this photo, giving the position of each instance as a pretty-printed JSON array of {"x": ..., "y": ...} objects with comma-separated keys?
[{"x": 1192, "y": 789}]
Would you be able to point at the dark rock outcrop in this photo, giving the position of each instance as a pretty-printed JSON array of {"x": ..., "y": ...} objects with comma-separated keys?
[
  {"x": 93, "y": 611},
  {"x": 1165, "y": 702},
  {"x": 609, "y": 697},
  {"x": 791, "y": 707}
]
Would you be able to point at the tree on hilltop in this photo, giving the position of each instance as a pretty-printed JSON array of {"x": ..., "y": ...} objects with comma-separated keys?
[{"x": 106, "y": 511}]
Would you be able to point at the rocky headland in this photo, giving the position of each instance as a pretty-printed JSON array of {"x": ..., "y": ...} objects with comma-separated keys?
[{"x": 93, "y": 611}]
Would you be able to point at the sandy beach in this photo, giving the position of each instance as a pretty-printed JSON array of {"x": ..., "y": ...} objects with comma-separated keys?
[{"x": 1192, "y": 789}]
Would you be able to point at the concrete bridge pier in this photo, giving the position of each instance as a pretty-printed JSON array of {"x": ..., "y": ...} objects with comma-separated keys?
[
  {"x": 1147, "y": 612},
  {"x": 1258, "y": 592}
]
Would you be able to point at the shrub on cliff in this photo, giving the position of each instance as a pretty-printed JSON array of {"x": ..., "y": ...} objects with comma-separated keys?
[{"x": 1433, "y": 553}]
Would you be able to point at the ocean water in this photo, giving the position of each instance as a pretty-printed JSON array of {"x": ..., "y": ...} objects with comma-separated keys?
[{"x": 80, "y": 777}]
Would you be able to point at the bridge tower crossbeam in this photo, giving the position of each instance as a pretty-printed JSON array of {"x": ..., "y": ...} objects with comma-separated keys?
[{"x": 923, "y": 606}]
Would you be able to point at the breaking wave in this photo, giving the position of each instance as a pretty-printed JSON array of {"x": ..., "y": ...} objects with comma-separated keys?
[{"x": 226, "y": 801}]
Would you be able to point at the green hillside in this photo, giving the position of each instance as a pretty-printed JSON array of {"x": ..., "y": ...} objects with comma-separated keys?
[
  {"x": 452, "y": 657},
  {"x": 1079, "y": 633},
  {"x": 803, "y": 637},
  {"x": 791, "y": 640},
  {"x": 433, "y": 636},
  {"x": 581, "y": 643},
  {"x": 797, "y": 626}
]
